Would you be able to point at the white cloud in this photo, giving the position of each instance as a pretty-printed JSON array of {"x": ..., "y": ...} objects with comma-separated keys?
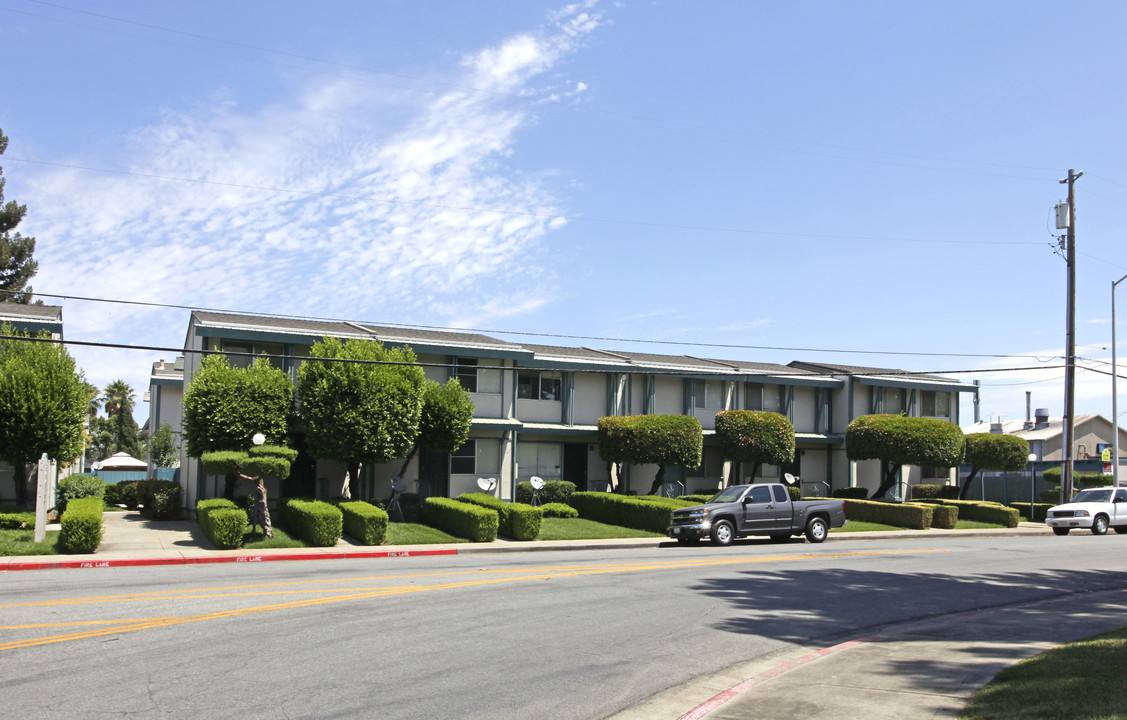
[{"x": 378, "y": 223}]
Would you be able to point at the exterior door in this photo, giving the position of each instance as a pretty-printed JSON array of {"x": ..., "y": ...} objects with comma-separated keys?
[
  {"x": 575, "y": 465},
  {"x": 434, "y": 474}
]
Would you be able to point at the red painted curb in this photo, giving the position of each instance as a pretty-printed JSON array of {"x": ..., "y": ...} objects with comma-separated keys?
[{"x": 204, "y": 560}]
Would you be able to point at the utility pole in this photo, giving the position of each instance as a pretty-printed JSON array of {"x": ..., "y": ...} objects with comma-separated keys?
[{"x": 1068, "y": 428}]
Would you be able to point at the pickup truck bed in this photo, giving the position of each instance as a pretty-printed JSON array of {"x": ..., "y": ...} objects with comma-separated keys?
[{"x": 758, "y": 509}]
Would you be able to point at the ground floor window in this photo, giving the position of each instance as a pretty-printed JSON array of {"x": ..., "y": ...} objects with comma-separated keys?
[
  {"x": 711, "y": 464},
  {"x": 541, "y": 459},
  {"x": 935, "y": 473},
  {"x": 478, "y": 456}
]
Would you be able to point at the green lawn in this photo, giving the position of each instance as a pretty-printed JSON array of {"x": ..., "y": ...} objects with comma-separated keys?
[
  {"x": 580, "y": 529},
  {"x": 413, "y": 534},
  {"x": 22, "y": 542},
  {"x": 281, "y": 539},
  {"x": 1080, "y": 680}
]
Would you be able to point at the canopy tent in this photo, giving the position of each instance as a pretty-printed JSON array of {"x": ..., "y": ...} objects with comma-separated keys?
[{"x": 120, "y": 461}]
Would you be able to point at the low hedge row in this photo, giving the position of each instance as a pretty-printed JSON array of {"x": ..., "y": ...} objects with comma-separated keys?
[
  {"x": 855, "y": 493},
  {"x": 925, "y": 491},
  {"x": 16, "y": 519},
  {"x": 559, "y": 510},
  {"x": 1080, "y": 481},
  {"x": 514, "y": 520},
  {"x": 461, "y": 519},
  {"x": 906, "y": 515},
  {"x": 554, "y": 491},
  {"x": 641, "y": 513},
  {"x": 82, "y": 525},
  {"x": 317, "y": 523},
  {"x": 127, "y": 494},
  {"x": 222, "y": 521},
  {"x": 696, "y": 499},
  {"x": 1040, "y": 510},
  {"x": 987, "y": 512},
  {"x": 73, "y": 487},
  {"x": 364, "y": 522},
  {"x": 159, "y": 499},
  {"x": 944, "y": 517}
]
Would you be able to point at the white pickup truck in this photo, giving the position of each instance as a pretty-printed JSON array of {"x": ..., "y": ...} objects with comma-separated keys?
[{"x": 1094, "y": 508}]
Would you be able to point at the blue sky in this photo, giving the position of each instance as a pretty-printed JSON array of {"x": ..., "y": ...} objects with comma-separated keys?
[{"x": 816, "y": 177}]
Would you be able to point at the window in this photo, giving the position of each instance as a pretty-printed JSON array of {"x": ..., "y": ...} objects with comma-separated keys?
[
  {"x": 242, "y": 360},
  {"x": 539, "y": 384},
  {"x": 935, "y": 473},
  {"x": 760, "y": 494},
  {"x": 893, "y": 401},
  {"x": 781, "y": 493},
  {"x": 753, "y": 396},
  {"x": 477, "y": 457},
  {"x": 476, "y": 377},
  {"x": 935, "y": 404},
  {"x": 709, "y": 394},
  {"x": 711, "y": 464},
  {"x": 542, "y": 459}
]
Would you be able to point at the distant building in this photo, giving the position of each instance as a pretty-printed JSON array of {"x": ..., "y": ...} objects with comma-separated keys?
[
  {"x": 1093, "y": 434},
  {"x": 165, "y": 393}
]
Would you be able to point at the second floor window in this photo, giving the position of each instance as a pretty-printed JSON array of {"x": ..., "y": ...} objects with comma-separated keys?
[
  {"x": 476, "y": 377},
  {"x": 539, "y": 384}
]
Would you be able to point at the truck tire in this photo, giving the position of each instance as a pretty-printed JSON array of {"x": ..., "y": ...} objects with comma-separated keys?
[
  {"x": 722, "y": 533},
  {"x": 817, "y": 530},
  {"x": 1060, "y": 531},
  {"x": 1099, "y": 525}
]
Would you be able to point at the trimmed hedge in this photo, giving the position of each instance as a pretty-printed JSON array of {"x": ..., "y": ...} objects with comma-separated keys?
[
  {"x": 855, "y": 493},
  {"x": 461, "y": 519},
  {"x": 82, "y": 525},
  {"x": 127, "y": 494},
  {"x": 514, "y": 520},
  {"x": 554, "y": 491},
  {"x": 73, "y": 487},
  {"x": 917, "y": 516},
  {"x": 1080, "y": 481},
  {"x": 159, "y": 499},
  {"x": 647, "y": 512},
  {"x": 559, "y": 510},
  {"x": 317, "y": 523},
  {"x": 16, "y": 520},
  {"x": 935, "y": 492},
  {"x": 697, "y": 499},
  {"x": 1040, "y": 510},
  {"x": 944, "y": 517},
  {"x": 364, "y": 522},
  {"x": 987, "y": 512},
  {"x": 222, "y": 521}
]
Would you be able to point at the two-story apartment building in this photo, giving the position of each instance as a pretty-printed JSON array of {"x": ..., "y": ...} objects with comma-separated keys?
[{"x": 536, "y": 408}]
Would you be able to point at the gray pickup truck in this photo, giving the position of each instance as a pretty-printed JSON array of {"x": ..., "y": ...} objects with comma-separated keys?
[{"x": 759, "y": 509}]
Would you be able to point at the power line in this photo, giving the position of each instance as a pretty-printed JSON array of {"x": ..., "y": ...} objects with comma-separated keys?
[{"x": 558, "y": 336}]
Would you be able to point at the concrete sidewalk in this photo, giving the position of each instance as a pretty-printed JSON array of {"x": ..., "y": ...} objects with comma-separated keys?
[
  {"x": 131, "y": 540},
  {"x": 927, "y": 669}
]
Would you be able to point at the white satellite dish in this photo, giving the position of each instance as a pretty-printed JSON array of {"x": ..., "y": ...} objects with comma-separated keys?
[
  {"x": 791, "y": 479},
  {"x": 487, "y": 484},
  {"x": 537, "y": 483},
  {"x": 396, "y": 484}
]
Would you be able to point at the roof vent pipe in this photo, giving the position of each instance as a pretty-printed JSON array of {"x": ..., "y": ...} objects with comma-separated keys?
[{"x": 1041, "y": 415}]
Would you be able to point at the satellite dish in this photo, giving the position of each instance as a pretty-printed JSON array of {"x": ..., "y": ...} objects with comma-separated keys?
[
  {"x": 396, "y": 484},
  {"x": 791, "y": 479},
  {"x": 537, "y": 482},
  {"x": 487, "y": 484}
]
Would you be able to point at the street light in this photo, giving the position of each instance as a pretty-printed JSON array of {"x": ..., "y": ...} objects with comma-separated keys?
[
  {"x": 1032, "y": 488},
  {"x": 1114, "y": 392}
]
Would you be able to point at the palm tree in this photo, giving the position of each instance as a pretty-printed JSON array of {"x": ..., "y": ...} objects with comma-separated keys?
[
  {"x": 95, "y": 401},
  {"x": 118, "y": 398}
]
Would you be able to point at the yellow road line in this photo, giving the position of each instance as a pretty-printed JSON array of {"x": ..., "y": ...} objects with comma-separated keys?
[{"x": 529, "y": 574}]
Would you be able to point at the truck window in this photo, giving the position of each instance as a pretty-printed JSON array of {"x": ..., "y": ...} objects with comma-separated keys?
[
  {"x": 781, "y": 494},
  {"x": 761, "y": 494}
]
